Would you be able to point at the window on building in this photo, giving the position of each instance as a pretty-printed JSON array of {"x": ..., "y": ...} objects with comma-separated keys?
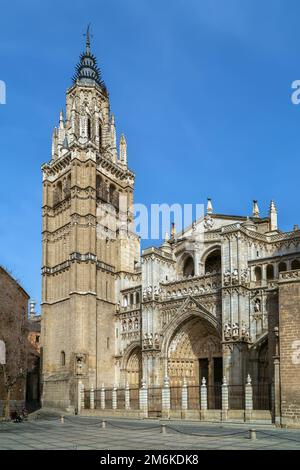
[
  {"x": 282, "y": 267},
  {"x": 295, "y": 264},
  {"x": 213, "y": 262},
  {"x": 257, "y": 274},
  {"x": 270, "y": 271},
  {"x": 63, "y": 358},
  {"x": 188, "y": 267},
  {"x": 37, "y": 338}
]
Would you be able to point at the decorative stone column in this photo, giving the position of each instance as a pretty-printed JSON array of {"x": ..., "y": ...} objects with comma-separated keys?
[
  {"x": 143, "y": 400},
  {"x": 225, "y": 400},
  {"x": 127, "y": 397},
  {"x": 114, "y": 398},
  {"x": 102, "y": 397},
  {"x": 166, "y": 399},
  {"x": 92, "y": 398},
  {"x": 184, "y": 398},
  {"x": 82, "y": 396},
  {"x": 248, "y": 399},
  {"x": 79, "y": 397},
  {"x": 203, "y": 394},
  {"x": 203, "y": 398}
]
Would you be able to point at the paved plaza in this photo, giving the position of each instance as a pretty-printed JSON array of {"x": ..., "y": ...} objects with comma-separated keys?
[{"x": 80, "y": 433}]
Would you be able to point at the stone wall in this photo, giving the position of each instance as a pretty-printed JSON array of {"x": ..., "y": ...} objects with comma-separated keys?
[
  {"x": 289, "y": 340},
  {"x": 13, "y": 313}
]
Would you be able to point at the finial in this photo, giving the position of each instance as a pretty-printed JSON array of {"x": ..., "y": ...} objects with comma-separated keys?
[
  {"x": 173, "y": 232},
  {"x": 88, "y": 39},
  {"x": 249, "y": 380},
  {"x": 61, "y": 120},
  {"x": 255, "y": 210},
  {"x": 209, "y": 209},
  {"x": 123, "y": 150},
  {"x": 273, "y": 216}
]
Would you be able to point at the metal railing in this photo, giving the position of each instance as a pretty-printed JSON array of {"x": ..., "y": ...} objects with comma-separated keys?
[{"x": 181, "y": 397}]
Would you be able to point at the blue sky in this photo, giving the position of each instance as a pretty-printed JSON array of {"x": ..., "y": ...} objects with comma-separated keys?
[{"x": 201, "y": 89}]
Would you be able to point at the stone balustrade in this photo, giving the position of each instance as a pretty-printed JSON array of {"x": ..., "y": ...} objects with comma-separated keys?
[{"x": 198, "y": 285}]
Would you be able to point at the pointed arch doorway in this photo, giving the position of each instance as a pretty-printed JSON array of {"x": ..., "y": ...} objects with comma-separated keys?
[{"x": 194, "y": 353}]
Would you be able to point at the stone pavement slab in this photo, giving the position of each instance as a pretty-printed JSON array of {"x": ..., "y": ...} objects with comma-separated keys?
[{"x": 123, "y": 434}]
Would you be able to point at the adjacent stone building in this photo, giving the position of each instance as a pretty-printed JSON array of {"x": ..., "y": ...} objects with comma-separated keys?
[
  {"x": 206, "y": 304},
  {"x": 13, "y": 337}
]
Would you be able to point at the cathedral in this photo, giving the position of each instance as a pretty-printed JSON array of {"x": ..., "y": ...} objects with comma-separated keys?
[{"x": 214, "y": 301}]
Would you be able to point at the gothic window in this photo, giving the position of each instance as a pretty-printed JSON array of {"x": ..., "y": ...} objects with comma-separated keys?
[
  {"x": 137, "y": 298},
  {"x": 282, "y": 267},
  {"x": 114, "y": 196},
  {"x": 67, "y": 188},
  {"x": 57, "y": 193},
  {"x": 295, "y": 264},
  {"x": 89, "y": 129},
  {"x": 125, "y": 301},
  {"x": 131, "y": 299},
  {"x": 213, "y": 262},
  {"x": 100, "y": 134},
  {"x": 101, "y": 189},
  {"x": 257, "y": 274},
  {"x": 188, "y": 267},
  {"x": 270, "y": 271},
  {"x": 63, "y": 358}
]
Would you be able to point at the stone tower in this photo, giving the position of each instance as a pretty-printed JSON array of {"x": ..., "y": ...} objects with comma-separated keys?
[{"x": 89, "y": 248}]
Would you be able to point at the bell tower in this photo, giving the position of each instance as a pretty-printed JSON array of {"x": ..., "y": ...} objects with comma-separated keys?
[{"x": 89, "y": 247}]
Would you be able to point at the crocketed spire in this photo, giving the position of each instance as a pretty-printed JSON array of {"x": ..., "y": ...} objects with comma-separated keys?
[{"x": 87, "y": 71}]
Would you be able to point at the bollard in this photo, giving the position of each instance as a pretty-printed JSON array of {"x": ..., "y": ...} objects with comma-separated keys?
[
  {"x": 163, "y": 429},
  {"x": 103, "y": 424},
  {"x": 252, "y": 434},
  {"x": 62, "y": 419}
]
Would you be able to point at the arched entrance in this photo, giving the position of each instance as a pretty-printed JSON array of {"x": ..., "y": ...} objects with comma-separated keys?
[
  {"x": 195, "y": 352},
  {"x": 133, "y": 369}
]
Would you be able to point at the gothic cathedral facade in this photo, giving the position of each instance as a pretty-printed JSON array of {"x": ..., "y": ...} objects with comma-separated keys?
[{"x": 204, "y": 304}]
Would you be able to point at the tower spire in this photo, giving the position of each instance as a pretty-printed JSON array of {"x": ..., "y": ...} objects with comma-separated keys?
[{"x": 87, "y": 71}]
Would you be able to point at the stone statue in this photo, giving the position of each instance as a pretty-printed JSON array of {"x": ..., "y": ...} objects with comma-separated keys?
[
  {"x": 227, "y": 331},
  {"x": 235, "y": 276},
  {"x": 80, "y": 364},
  {"x": 257, "y": 305},
  {"x": 227, "y": 277},
  {"x": 235, "y": 331}
]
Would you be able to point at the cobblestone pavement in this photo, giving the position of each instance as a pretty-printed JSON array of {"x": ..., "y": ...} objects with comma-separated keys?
[{"x": 81, "y": 433}]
